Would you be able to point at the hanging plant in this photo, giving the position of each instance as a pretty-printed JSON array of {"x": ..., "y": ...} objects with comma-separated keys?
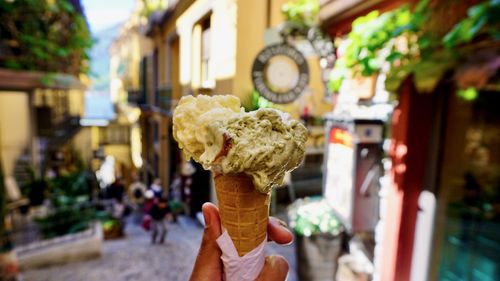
[
  {"x": 48, "y": 36},
  {"x": 399, "y": 43},
  {"x": 303, "y": 13},
  {"x": 377, "y": 39},
  {"x": 482, "y": 19}
]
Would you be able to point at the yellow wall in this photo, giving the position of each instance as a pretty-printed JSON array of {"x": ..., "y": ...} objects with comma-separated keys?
[
  {"x": 251, "y": 26},
  {"x": 15, "y": 128},
  {"x": 82, "y": 143},
  {"x": 223, "y": 43},
  {"x": 120, "y": 152},
  {"x": 237, "y": 31},
  {"x": 76, "y": 102}
]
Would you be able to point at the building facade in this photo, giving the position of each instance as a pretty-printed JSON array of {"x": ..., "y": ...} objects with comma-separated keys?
[{"x": 209, "y": 47}]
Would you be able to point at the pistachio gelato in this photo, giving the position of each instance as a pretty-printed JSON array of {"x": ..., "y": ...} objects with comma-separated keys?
[{"x": 216, "y": 132}]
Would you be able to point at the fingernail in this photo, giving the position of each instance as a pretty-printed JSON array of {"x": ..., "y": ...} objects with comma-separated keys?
[
  {"x": 271, "y": 261},
  {"x": 280, "y": 222},
  {"x": 207, "y": 218}
]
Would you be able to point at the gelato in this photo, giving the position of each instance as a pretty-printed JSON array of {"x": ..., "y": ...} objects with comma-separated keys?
[{"x": 216, "y": 132}]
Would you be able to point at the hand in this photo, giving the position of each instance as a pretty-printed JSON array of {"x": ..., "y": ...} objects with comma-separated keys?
[{"x": 208, "y": 265}]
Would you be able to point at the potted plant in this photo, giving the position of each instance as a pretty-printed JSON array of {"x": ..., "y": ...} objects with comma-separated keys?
[
  {"x": 70, "y": 210},
  {"x": 319, "y": 238}
]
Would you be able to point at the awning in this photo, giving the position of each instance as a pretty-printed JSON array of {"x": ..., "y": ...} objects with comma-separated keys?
[{"x": 12, "y": 80}]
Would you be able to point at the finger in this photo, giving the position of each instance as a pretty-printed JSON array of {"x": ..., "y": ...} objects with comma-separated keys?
[
  {"x": 277, "y": 231},
  {"x": 208, "y": 263},
  {"x": 212, "y": 220},
  {"x": 275, "y": 269}
]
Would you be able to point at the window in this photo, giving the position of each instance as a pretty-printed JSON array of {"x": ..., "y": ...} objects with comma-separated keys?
[{"x": 205, "y": 53}]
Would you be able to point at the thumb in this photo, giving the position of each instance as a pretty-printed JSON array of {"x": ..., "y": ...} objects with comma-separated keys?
[
  {"x": 208, "y": 263},
  {"x": 275, "y": 269}
]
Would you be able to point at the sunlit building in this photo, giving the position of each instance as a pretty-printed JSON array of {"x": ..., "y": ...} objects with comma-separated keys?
[{"x": 209, "y": 47}]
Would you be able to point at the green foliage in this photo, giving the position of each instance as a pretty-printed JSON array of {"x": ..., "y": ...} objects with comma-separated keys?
[
  {"x": 481, "y": 19},
  {"x": 398, "y": 39},
  {"x": 258, "y": 101},
  {"x": 45, "y": 36},
  {"x": 376, "y": 32},
  {"x": 70, "y": 190},
  {"x": 66, "y": 220},
  {"x": 302, "y": 12},
  {"x": 151, "y": 6},
  {"x": 313, "y": 216},
  {"x": 468, "y": 94},
  {"x": 71, "y": 212}
]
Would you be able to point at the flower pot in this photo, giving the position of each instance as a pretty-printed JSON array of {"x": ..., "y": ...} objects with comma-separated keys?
[{"x": 317, "y": 256}]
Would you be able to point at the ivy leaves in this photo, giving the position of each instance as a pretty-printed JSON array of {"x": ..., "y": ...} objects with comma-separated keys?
[
  {"x": 482, "y": 18},
  {"x": 398, "y": 39},
  {"x": 49, "y": 36},
  {"x": 302, "y": 12},
  {"x": 369, "y": 36}
]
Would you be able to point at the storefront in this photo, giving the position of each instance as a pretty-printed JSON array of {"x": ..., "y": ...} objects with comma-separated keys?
[
  {"x": 468, "y": 190},
  {"x": 439, "y": 214}
]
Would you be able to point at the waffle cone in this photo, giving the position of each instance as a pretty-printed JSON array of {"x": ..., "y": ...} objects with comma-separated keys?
[{"x": 244, "y": 211}]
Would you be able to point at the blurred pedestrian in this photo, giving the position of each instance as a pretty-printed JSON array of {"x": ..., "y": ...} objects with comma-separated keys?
[
  {"x": 175, "y": 202},
  {"x": 158, "y": 212},
  {"x": 187, "y": 172},
  {"x": 118, "y": 211},
  {"x": 136, "y": 195},
  {"x": 148, "y": 205},
  {"x": 136, "y": 191},
  {"x": 116, "y": 190},
  {"x": 157, "y": 188}
]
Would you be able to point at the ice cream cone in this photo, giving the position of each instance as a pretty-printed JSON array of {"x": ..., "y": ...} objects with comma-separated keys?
[{"x": 244, "y": 211}]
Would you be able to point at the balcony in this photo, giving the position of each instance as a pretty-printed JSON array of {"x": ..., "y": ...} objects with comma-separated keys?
[
  {"x": 137, "y": 97},
  {"x": 49, "y": 127},
  {"x": 114, "y": 134}
]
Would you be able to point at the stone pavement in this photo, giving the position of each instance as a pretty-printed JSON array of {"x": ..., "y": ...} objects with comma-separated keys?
[{"x": 134, "y": 258}]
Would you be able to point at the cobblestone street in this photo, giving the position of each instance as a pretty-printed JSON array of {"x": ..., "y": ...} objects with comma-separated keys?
[{"x": 134, "y": 258}]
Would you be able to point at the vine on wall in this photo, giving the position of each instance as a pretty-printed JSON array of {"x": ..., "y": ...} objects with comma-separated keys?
[
  {"x": 401, "y": 40},
  {"x": 48, "y": 36}
]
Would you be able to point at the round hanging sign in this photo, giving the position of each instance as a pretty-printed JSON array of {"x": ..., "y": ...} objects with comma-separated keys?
[{"x": 280, "y": 73}]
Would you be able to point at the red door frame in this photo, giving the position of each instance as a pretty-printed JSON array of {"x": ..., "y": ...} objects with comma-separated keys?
[{"x": 411, "y": 132}]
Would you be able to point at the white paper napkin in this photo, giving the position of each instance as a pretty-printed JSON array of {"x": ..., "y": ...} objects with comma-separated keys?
[{"x": 236, "y": 268}]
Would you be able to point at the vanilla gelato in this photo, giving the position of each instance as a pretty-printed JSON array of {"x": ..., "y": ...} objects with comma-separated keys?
[{"x": 216, "y": 132}]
